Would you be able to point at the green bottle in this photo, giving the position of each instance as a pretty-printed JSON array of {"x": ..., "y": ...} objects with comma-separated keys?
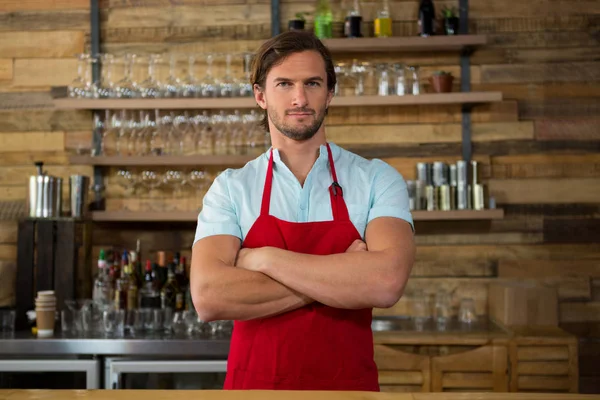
[{"x": 323, "y": 20}]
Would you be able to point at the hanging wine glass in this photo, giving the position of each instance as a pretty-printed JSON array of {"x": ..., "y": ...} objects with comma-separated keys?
[
  {"x": 151, "y": 87},
  {"x": 142, "y": 134},
  {"x": 190, "y": 86},
  {"x": 126, "y": 88},
  {"x": 93, "y": 84},
  {"x": 124, "y": 134},
  {"x": 126, "y": 180},
  {"x": 245, "y": 86},
  {"x": 203, "y": 140},
  {"x": 219, "y": 127},
  {"x": 208, "y": 85},
  {"x": 157, "y": 135},
  {"x": 172, "y": 86},
  {"x": 237, "y": 140},
  {"x": 107, "y": 86},
  {"x": 174, "y": 180},
  {"x": 178, "y": 132},
  {"x": 228, "y": 85},
  {"x": 78, "y": 87},
  {"x": 188, "y": 134},
  {"x": 110, "y": 134}
]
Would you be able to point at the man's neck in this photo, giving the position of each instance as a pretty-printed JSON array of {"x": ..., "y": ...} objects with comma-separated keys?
[{"x": 299, "y": 156}]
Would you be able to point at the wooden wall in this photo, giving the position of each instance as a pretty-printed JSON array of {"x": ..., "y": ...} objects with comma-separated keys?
[{"x": 540, "y": 146}]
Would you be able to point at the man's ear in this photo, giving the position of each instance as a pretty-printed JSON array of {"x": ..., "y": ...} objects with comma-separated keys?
[
  {"x": 329, "y": 97},
  {"x": 259, "y": 96}
]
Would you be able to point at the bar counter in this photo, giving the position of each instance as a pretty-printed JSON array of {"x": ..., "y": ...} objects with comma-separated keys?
[{"x": 271, "y": 395}]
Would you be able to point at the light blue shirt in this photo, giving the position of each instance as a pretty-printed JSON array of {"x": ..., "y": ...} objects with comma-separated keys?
[{"x": 372, "y": 189}]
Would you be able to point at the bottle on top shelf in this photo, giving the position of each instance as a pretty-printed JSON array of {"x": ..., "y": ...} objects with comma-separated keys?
[
  {"x": 149, "y": 297},
  {"x": 353, "y": 21},
  {"x": 323, "y": 24},
  {"x": 426, "y": 18},
  {"x": 383, "y": 22}
]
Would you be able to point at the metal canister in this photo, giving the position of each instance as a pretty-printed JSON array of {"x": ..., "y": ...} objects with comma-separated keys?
[
  {"x": 445, "y": 198},
  {"x": 462, "y": 172},
  {"x": 420, "y": 197},
  {"x": 424, "y": 173},
  {"x": 48, "y": 189},
  {"x": 475, "y": 178},
  {"x": 79, "y": 186},
  {"x": 462, "y": 191},
  {"x": 412, "y": 194},
  {"x": 440, "y": 176},
  {"x": 479, "y": 197},
  {"x": 58, "y": 192},
  {"x": 432, "y": 198},
  {"x": 453, "y": 199},
  {"x": 453, "y": 175}
]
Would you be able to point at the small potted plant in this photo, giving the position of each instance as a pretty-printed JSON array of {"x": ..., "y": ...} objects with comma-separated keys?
[
  {"x": 441, "y": 81},
  {"x": 450, "y": 20},
  {"x": 297, "y": 24}
]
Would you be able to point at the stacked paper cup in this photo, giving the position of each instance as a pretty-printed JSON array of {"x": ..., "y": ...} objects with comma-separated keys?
[{"x": 45, "y": 313}]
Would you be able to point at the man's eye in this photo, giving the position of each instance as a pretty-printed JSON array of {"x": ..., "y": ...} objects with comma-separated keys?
[
  {"x": 283, "y": 84},
  {"x": 314, "y": 84}
]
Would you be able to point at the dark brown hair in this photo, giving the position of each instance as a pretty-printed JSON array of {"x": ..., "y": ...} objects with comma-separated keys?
[{"x": 276, "y": 49}]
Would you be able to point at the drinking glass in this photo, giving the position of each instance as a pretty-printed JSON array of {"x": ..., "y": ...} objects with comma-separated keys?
[
  {"x": 158, "y": 319},
  {"x": 126, "y": 88},
  {"x": 442, "y": 309},
  {"x": 179, "y": 324},
  {"x": 168, "y": 319},
  {"x": 400, "y": 79},
  {"x": 385, "y": 82},
  {"x": 70, "y": 321},
  {"x": 467, "y": 313},
  {"x": 78, "y": 88},
  {"x": 7, "y": 321},
  {"x": 114, "y": 322},
  {"x": 125, "y": 132},
  {"x": 151, "y": 87},
  {"x": 172, "y": 86},
  {"x": 245, "y": 86},
  {"x": 203, "y": 137},
  {"x": 228, "y": 85},
  {"x": 415, "y": 80},
  {"x": 189, "y": 86},
  {"x": 237, "y": 139},
  {"x": 420, "y": 310},
  {"x": 110, "y": 133},
  {"x": 208, "y": 85},
  {"x": 158, "y": 135},
  {"x": 107, "y": 85}
]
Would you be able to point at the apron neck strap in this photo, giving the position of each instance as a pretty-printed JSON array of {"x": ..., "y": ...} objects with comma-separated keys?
[{"x": 338, "y": 205}]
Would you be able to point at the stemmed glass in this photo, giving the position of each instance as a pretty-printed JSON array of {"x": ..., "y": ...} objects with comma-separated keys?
[
  {"x": 109, "y": 143},
  {"x": 151, "y": 181},
  {"x": 228, "y": 85},
  {"x": 126, "y": 88},
  {"x": 157, "y": 135},
  {"x": 190, "y": 83},
  {"x": 151, "y": 87},
  {"x": 202, "y": 133},
  {"x": 107, "y": 86},
  {"x": 208, "y": 85},
  {"x": 220, "y": 134},
  {"x": 79, "y": 86},
  {"x": 128, "y": 180},
  {"x": 245, "y": 86},
  {"x": 200, "y": 181},
  {"x": 172, "y": 87},
  {"x": 237, "y": 141}
]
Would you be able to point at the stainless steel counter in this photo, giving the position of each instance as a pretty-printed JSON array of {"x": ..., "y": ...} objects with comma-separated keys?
[{"x": 24, "y": 343}]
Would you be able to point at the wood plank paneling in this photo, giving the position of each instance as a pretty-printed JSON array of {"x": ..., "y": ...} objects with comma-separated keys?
[
  {"x": 63, "y": 20},
  {"x": 31, "y": 141},
  {"x": 31, "y": 72},
  {"x": 568, "y": 129},
  {"x": 38, "y": 5},
  {"x": 44, "y": 121},
  {"x": 534, "y": 268},
  {"x": 440, "y": 133},
  {"x": 8, "y": 232},
  {"x": 6, "y": 69},
  {"x": 41, "y": 44},
  {"x": 545, "y": 191},
  {"x": 571, "y": 230},
  {"x": 579, "y": 312},
  {"x": 536, "y": 73}
]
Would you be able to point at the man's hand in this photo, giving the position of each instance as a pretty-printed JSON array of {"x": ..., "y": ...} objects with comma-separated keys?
[
  {"x": 252, "y": 259},
  {"x": 357, "y": 245}
]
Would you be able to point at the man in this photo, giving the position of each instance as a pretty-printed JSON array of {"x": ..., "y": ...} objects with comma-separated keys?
[{"x": 279, "y": 244}]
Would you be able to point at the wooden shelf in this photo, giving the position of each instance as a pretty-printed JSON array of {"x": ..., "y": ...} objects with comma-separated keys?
[
  {"x": 404, "y": 44},
  {"x": 454, "y": 215},
  {"x": 240, "y": 103},
  {"x": 193, "y": 160},
  {"x": 191, "y": 216}
]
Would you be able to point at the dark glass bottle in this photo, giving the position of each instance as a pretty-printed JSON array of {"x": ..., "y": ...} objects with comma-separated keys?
[
  {"x": 149, "y": 296},
  {"x": 426, "y": 18},
  {"x": 171, "y": 295}
]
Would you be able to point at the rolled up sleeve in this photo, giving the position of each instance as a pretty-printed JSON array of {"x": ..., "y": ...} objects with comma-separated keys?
[
  {"x": 218, "y": 215},
  {"x": 389, "y": 195}
]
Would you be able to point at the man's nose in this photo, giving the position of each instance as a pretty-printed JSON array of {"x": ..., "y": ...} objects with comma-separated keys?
[{"x": 300, "y": 99}]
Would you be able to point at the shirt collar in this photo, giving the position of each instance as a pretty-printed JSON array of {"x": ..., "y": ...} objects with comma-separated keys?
[{"x": 335, "y": 151}]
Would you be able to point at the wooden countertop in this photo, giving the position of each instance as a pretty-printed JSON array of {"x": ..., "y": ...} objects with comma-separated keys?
[{"x": 12, "y": 394}]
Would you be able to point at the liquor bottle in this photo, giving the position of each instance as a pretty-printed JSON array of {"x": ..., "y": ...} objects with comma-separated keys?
[
  {"x": 426, "y": 18},
  {"x": 161, "y": 270},
  {"x": 102, "y": 293},
  {"x": 323, "y": 20},
  {"x": 149, "y": 296},
  {"x": 353, "y": 22},
  {"x": 171, "y": 295},
  {"x": 122, "y": 285},
  {"x": 132, "y": 290},
  {"x": 383, "y": 22}
]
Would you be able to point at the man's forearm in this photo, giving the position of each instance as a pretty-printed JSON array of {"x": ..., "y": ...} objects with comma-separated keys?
[
  {"x": 347, "y": 280},
  {"x": 228, "y": 293}
]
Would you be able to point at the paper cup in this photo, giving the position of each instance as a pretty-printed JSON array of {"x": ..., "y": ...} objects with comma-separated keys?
[
  {"x": 46, "y": 293},
  {"x": 45, "y": 319},
  {"x": 44, "y": 333}
]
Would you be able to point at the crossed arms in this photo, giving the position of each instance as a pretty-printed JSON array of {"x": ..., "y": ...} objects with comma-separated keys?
[{"x": 230, "y": 283}]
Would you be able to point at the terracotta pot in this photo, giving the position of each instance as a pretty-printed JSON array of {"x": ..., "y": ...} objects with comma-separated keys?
[
  {"x": 441, "y": 83},
  {"x": 296, "y": 25}
]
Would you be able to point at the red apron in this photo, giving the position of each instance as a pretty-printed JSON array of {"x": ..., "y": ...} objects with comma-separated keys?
[{"x": 315, "y": 347}]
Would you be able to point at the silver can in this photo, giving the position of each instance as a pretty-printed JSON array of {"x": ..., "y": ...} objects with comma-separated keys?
[
  {"x": 462, "y": 172},
  {"x": 445, "y": 201},
  {"x": 462, "y": 196},
  {"x": 475, "y": 178},
  {"x": 478, "y": 197},
  {"x": 412, "y": 194},
  {"x": 48, "y": 190},
  {"x": 431, "y": 194},
  {"x": 78, "y": 193},
  {"x": 453, "y": 175},
  {"x": 58, "y": 183},
  {"x": 440, "y": 176},
  {"x": 424, "y": 173},
  {"x": 420, "y": 197}
]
